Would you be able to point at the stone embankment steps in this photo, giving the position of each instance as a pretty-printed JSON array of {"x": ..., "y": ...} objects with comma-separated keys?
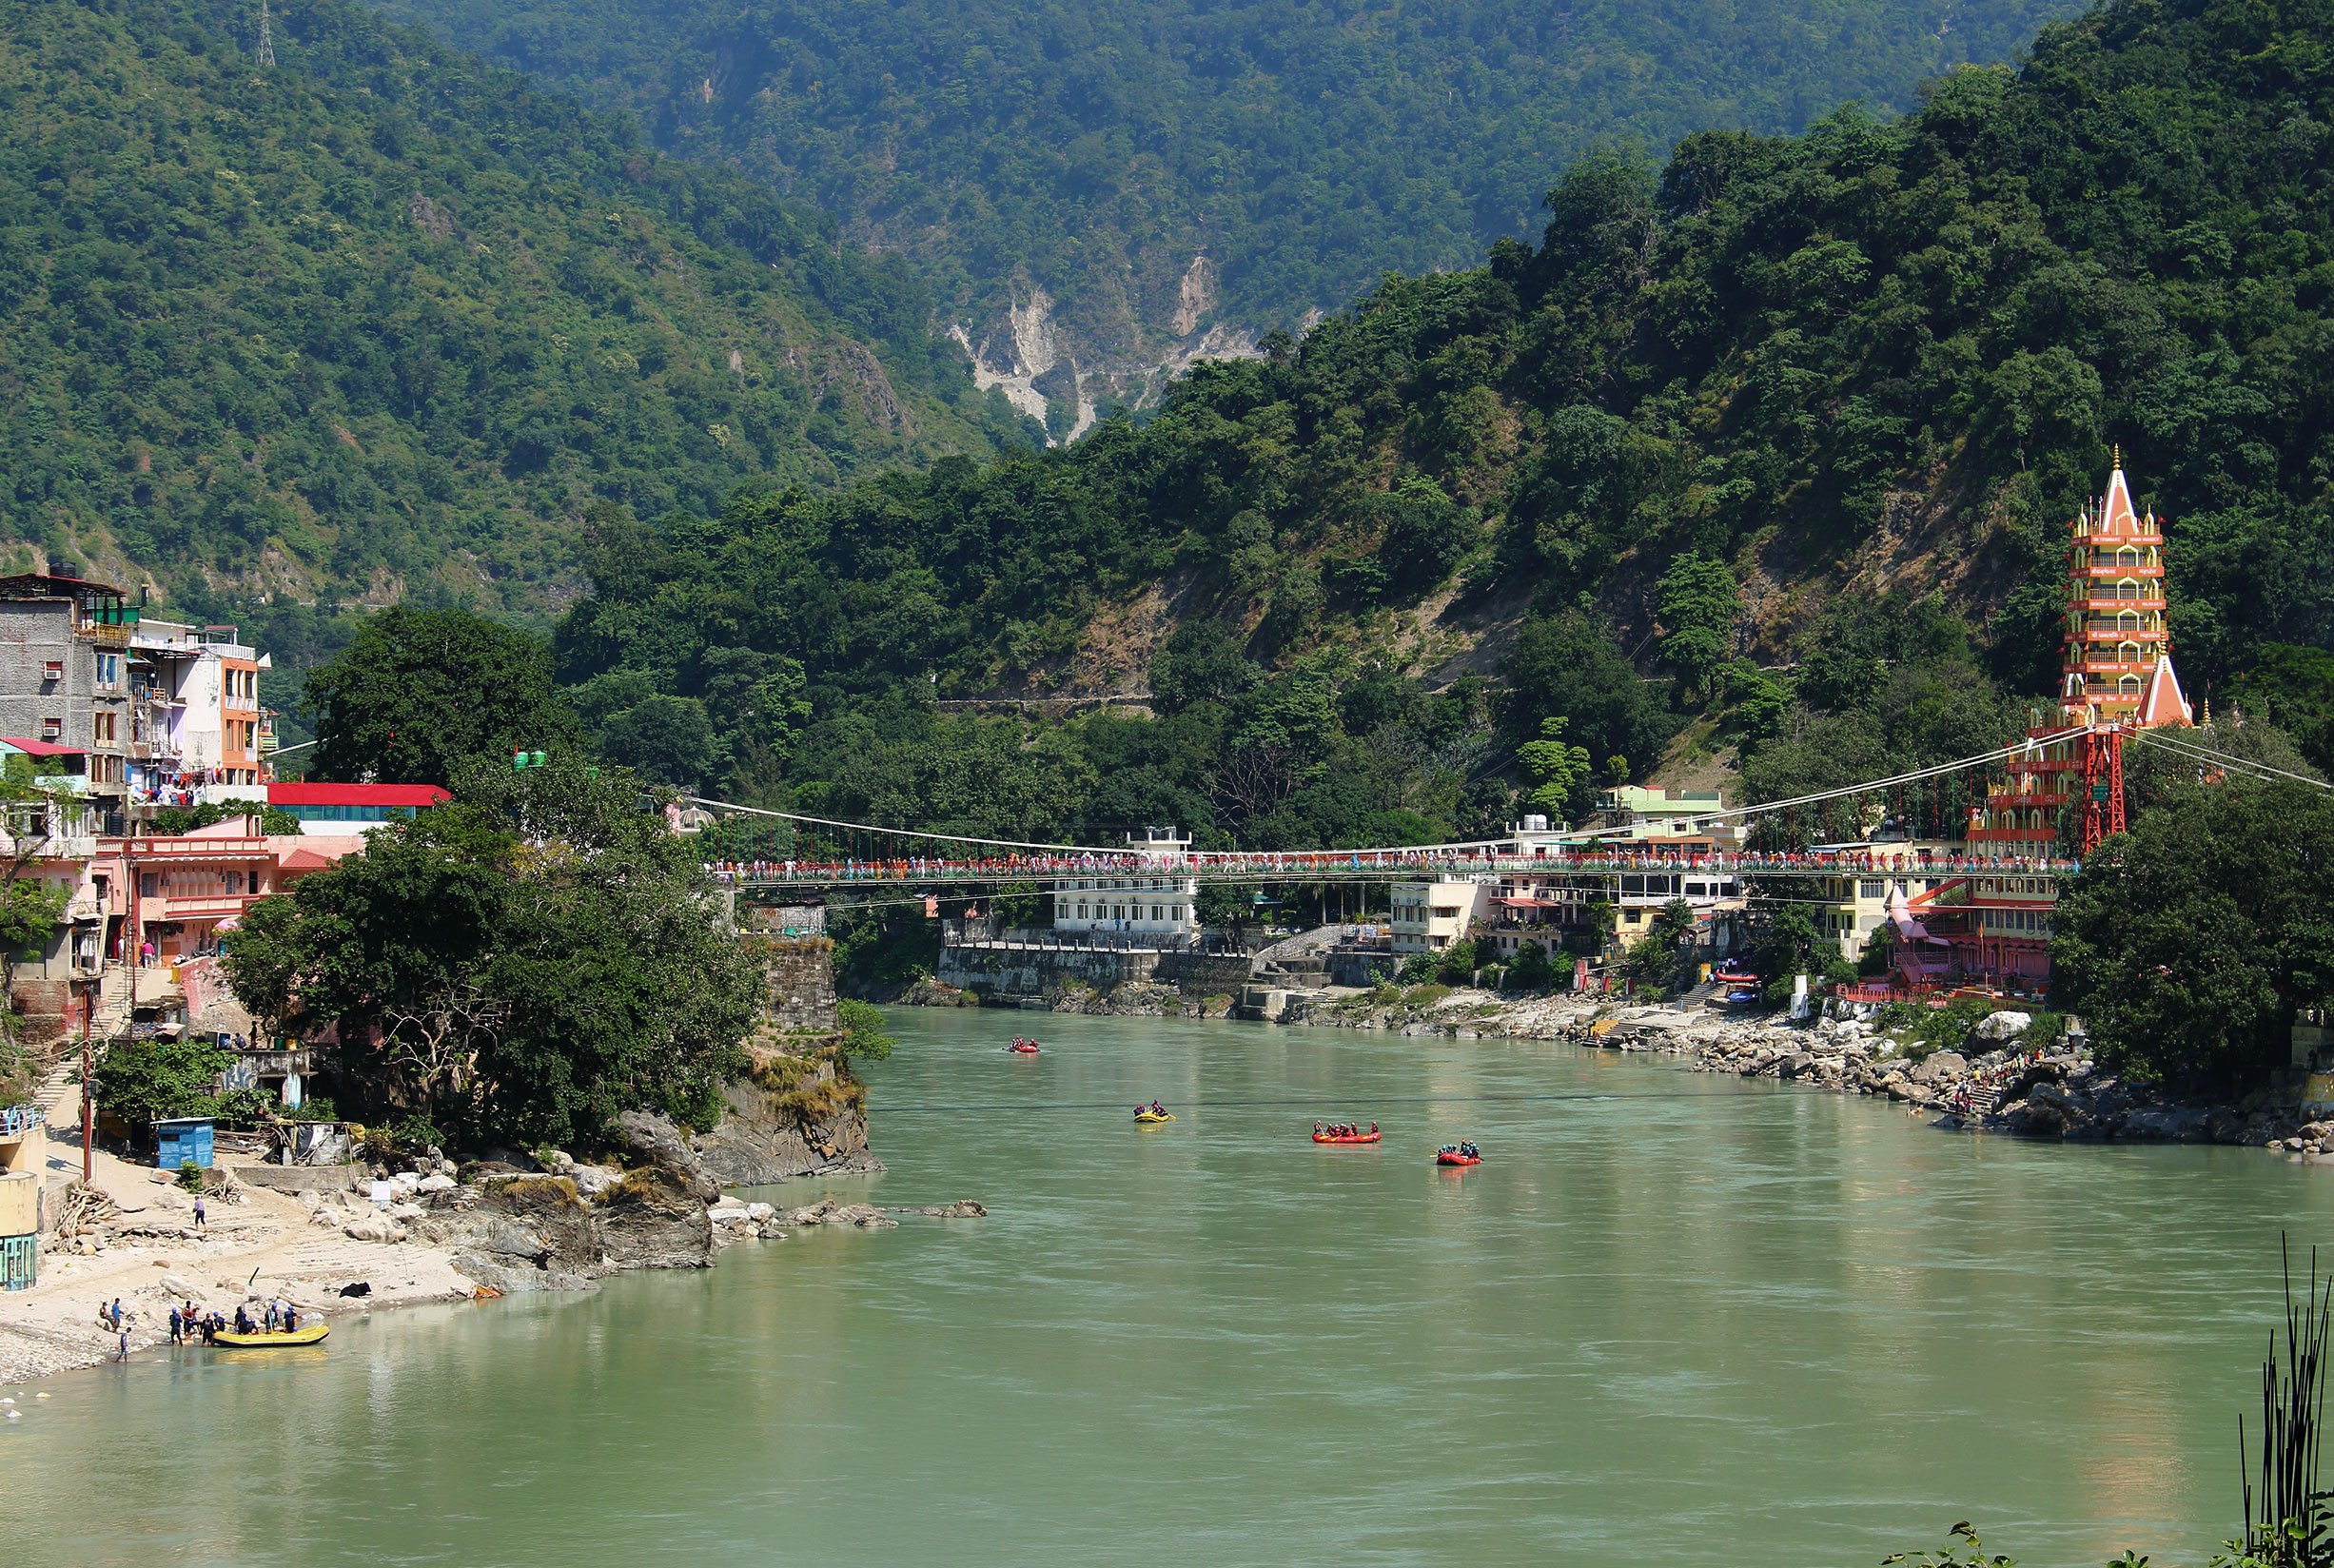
[{"x": 1306, "y": 953}]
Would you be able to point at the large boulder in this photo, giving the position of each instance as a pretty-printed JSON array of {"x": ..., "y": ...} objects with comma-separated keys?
[
  {"x": 1941, "y": 1067},
  {"x": 656, "y": 1141},
  {"x": 2000, "y": 1027},
  {"x": 655, "y": 1219},
  {"x": 762, "y": 1140},
  {"x": 524, "y": 1233}
]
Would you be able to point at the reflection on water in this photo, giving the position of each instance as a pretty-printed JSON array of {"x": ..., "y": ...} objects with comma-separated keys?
[{"x": 1672, "y": 1318}]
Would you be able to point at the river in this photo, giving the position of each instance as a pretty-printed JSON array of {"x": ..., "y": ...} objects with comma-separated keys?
[{"x": 1673, "y": 1319}]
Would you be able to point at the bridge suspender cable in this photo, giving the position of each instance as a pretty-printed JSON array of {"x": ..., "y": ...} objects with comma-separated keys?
[
  {"x": 2206, "y": 753},
  {"x": 1264, "y": 859}
]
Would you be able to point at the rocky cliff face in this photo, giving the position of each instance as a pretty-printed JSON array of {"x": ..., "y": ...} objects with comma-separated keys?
[
  {"x": 816, "y": 1126},
  {"x": 1063, "y": 373},
  {"x": 797, "y": 1111}
]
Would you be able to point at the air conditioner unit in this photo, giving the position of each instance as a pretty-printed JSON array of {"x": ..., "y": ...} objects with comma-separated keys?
[{"x": 53, "y": 670}]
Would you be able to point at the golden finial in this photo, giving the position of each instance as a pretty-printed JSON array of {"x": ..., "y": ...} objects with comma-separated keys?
[{"x": 2116, "y": 453}]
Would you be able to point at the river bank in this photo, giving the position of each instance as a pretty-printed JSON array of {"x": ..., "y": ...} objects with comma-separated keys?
[{"x": 448, "y": 1233}]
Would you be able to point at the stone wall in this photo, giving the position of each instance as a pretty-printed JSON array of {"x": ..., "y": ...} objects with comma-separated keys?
[
  {"x": 997, "y": 974},
  {"x": 768, "y": 1134},
  {"x": 1207, "y": 973},
  {"x": 797, "y": 991}
]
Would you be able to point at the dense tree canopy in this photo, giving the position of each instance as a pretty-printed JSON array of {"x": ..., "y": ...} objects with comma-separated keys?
[
  {"x": 1864, "y": 376},
  {"x": 518, "y": 966},
  {"x": 381, "y": 318},
  {"x": 419, "y": 697},
  {"x": 1091, "y": 151},
  {"x": 2189, "y": 944}
]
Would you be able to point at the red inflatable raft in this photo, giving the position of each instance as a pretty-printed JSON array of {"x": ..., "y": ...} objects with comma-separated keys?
[
  {"x": 1022, "y": 1048},
  {"x": 1347, "y": 1137},
  {"x": 1452, "y": 1157}
]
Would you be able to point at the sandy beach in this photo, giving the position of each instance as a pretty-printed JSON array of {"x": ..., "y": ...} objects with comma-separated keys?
[{"x": 153, "y": 1256}]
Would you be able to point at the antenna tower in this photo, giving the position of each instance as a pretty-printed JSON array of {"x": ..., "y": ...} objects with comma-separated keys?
[{"x": 267, "y": 42}]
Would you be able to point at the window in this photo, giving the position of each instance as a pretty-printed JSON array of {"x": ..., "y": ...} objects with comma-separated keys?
[{"x": 108, "y": 670}]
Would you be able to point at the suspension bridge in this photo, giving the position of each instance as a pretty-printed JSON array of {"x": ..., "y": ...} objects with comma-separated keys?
[{"x": 1875, "y": 826}]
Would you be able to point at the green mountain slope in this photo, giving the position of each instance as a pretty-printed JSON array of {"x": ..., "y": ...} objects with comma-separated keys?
[
  {"x": 1793, "y": 427},
  {"x": 382, "y": 320},
  {"x": 1083, "y": 155}
]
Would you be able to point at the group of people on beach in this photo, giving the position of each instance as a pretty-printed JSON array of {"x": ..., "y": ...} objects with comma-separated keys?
[{"x": 189, "y": 1323}]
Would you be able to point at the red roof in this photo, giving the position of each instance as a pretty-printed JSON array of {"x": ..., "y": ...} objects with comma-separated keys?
[
  {"x": 40, "y": 747},
  {"x": 294, "y": 793}
]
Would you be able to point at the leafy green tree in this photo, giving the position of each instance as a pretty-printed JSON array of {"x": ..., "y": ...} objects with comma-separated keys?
[
  {"x": 146, "y": 1081},
  {"x": 1659, "y": 955},
  {"x": 420, "y": 695},
  {"x": 1455, "y": 965},
  {"x": 1558, "y": 771},
  {"x": 2292, "y": 688},
  {"x": 865, "y": 1039},
  {"x": 520, "y": 965},
  {"x": 1569, "y": 666},
  {"x": 1695, "y": 601},
  {"x": 2189, "y": 944},
  {"x": 1530, "y": 970},
  {"x": 387, "y": 322}
]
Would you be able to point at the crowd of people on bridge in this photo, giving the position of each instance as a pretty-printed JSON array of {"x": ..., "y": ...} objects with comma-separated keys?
[{"x": 1329, "y": 863}]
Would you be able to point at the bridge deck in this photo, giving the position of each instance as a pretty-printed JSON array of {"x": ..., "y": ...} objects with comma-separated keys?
[{"x": 1327, "y": 867}]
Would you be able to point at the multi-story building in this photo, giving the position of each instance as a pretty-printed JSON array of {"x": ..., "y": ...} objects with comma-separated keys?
[
  {"x": 1429, "y": 916},
  {"x": 196, "y": 722},
  {"x": 64, "y": 678},
  {"x": 1162, "y": 907}
]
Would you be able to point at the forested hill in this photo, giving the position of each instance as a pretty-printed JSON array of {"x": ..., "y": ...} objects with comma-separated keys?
[
  {"x": 1793, "y": 427},
  {"x": 1093, "y": 151},
  {"x": 382, "y": 320}
]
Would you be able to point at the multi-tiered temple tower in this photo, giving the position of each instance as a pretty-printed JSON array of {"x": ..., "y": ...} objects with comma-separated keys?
[
  {"x": 2116, "y": 677},
  {"x": 1991, "y": 929}
]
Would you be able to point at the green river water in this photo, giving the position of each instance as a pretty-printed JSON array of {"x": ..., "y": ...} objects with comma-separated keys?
[{"x": 1673, "y": 1319}]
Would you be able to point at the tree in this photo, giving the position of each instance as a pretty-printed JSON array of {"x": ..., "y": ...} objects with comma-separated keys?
[
  {"x": 864, "y": 1036},
  {"x": 1570, "y": 666},
  {"x": 145, "y": 1081},
  {"x": 1530, "y": 970},
  {"x": 2189, "y": 943},
  {"x": 1558, "y": 771},
  {"x": 1695, "y": 601},
  {"x": 522, "y": 964},
  {"x": 418, "y": 695},
  {"x": 1657, "y": 955}
]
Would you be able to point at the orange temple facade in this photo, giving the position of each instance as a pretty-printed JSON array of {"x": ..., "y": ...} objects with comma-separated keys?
[{"x": 1991, "y": 931}]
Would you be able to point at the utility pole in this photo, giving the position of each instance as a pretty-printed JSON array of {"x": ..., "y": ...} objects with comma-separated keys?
[
  {"x": 88, "y": 1102},
  {"x": 267, "y": 42}
]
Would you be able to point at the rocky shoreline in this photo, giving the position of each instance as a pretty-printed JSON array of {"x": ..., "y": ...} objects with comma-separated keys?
[
  {"x": 2006, "y": 1088},
  {"x": 448, "y": 1233}
]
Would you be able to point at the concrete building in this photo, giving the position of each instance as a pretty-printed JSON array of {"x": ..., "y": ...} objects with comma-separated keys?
[
  {"x": 1163, "y": 907},
  {"x": 197, "y": 729},
  {"x": 64, "y": 678},
  {"x": 1429, "y": 916},
  {"x": 21, "y": 1142}
]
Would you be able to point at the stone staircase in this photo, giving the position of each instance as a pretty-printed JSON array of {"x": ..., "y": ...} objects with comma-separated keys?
[{"x": 1300, "y": 961}]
